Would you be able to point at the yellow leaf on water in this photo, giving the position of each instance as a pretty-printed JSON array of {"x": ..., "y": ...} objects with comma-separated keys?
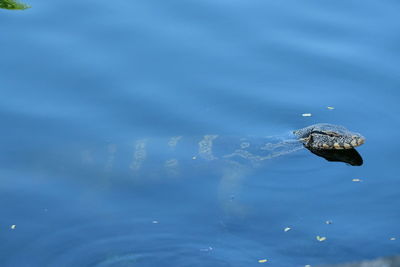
[
  {"x": 262, "y": 261},
  {"x": 356, "y": 180},
  {"x": 321, "y": 238},
  {"x": 331, "y": 108}
]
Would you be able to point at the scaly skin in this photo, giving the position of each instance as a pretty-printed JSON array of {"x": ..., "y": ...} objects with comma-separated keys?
[{"x": 328, "y": 136}]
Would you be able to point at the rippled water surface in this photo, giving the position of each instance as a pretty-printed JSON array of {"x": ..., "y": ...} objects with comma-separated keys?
[{"x": 93, "y": 91}]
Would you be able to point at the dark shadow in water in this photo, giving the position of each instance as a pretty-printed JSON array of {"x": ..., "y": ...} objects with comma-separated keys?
[{"x": 350, "y": 156}]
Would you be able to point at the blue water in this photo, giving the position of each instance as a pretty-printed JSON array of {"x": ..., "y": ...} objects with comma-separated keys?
[{"x": 83, "y": 81}]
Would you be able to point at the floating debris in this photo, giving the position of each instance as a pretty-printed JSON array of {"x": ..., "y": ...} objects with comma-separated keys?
[
  {"x": 287, "y": 229},
  {"x": 330, "y": 108},
  {"x": 321, "y": 238},
  {"x": 306, "y": 114},
  {"x": 328, "y": 222},
  {"x": 308, "y": 265},
  {"x": 194, "y": 157},
  {"x": 392, "y": 239},
  {"x": 13, "y": 226},
  {"x": 206, "y": 249},
  {"x": 262, "y": 261},
  {"x": 154, "y": 222},
  {"x": 357, "y": 180}
]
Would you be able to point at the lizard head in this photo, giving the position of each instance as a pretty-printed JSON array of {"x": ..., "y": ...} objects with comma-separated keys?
[{"x": 328, "y": 136}]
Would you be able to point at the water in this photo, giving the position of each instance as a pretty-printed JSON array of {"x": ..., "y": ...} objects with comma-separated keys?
[{"x": 81, "y": 82}]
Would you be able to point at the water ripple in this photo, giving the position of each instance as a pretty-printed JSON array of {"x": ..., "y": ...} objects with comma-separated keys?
[{"x": 130, "y": 243}]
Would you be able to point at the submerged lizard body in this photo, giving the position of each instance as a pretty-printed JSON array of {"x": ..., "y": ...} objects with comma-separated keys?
[{"x": 323, "y": 137}]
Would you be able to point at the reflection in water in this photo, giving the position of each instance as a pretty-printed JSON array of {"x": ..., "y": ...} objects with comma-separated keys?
[
  {"x": 350, "y": 156},
  {"x": 380, "y": 262},
  {"x": 11, "y": 4}
]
